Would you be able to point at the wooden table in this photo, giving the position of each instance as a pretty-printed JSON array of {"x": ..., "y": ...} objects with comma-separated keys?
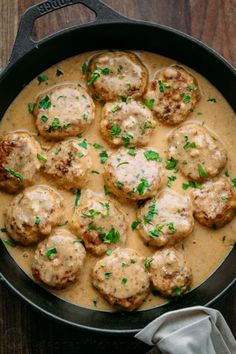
[{"x": 23, "y": 331}]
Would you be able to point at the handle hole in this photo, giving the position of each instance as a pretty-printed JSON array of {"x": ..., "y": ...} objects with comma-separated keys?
[{"x": 60, "y": 19}]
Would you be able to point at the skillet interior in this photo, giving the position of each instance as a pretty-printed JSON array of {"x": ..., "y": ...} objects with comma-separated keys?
[{"x": 118, "y": 35}]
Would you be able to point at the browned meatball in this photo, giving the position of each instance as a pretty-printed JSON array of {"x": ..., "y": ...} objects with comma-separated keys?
[
  {"x": 127, "y": 123},
  {"x": 199, "y": 155},
  {"x": 117, "y": 74},
  {"x": 166, "y": 219},
  {"x": 100, "y": 223},
  {"x": 215, "y": 203},
  {"x": 122, "y": 278},
  {"x": 134, "y": 174},
  {"x": 58, "y": 260},
  {"x": 63, "y": 110},
  {"x": 19, "y": 161},
  {"x": 170, "y": 274},
  {"x": 33, "y": 213},
  {"x": 68, "y": 163},
  {"x": 172, "y": 95}
]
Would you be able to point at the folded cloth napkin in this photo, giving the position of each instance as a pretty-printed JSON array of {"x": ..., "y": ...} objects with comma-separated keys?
[{"x": 193, "y": 330}]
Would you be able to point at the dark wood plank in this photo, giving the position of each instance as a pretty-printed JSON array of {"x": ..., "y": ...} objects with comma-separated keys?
[{"x": 23, "y": 331}]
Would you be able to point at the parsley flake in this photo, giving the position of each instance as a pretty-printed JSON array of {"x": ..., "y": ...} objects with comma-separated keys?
[
  {"x": 103, "y": 157},
  {"x": 149, "y": 103},
  {"x": 14, "y": 174}
]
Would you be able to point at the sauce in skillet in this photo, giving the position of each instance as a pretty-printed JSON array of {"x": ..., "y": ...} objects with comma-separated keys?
[{"x": 204, "y": 249}]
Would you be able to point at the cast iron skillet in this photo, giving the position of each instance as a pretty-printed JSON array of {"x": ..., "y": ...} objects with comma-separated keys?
[{"x": 110, "y": 30}]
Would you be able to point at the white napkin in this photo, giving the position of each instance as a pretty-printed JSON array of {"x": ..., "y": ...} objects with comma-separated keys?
[{"x": 194, "y": 330}]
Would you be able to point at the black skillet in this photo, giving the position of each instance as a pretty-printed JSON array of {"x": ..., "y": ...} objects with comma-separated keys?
[{"x": 110, "y": 30}]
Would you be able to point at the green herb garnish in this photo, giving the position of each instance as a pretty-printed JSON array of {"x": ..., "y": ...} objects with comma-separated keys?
[
  {"x": 115, "y": 130},
  {"x": 59, "y": 72},
  {"x": 124, "y": 281},
  {"x": 171, "y": 164},
  {"x": 156, "y": 232},
  {"x": 161, "y": 86},
  {"x": 108, "y": 252},
  {"x": 170, "y": 179},
  {"x": 10, "y": 242},
  {"x": 113, "y": 236},
  {"x": 132, "y": 152},
  {"x": 188, "y": 144},
  {"x": 37, "y": 220},
  {"x": 41, "y": 158},
  {"x": 142, "y": 186},
  {"x": 152, "y": 156},
  {"x": 13, "y": 173},
  {"x": 103, "y": 157},
  {"x": 212, "y": 100},
  {"x": 55, "y": 125},
  {"x": 94, "y": 76},
  {"x": 84, "y": 68},
  {"x": 106, "y": 191},
  {"x": 115, "y": 108},
  {"x": 201, "y": 171},
  {"x": 31, "y": 106},
  {"x": 107, "y": 275},
  {"x": 122, "y": 163},
  {"x": 42, "y": 78},
  {"x": 45, "y": 103},
  {"x": 178, "y": 291},
  {"x": 171, "y": 227},
  {"x": 119, "y": 184},
  {"x": 135, "y": 224},
  {"x": 44, "y": 118},
  {"x": 191, "y": 184},
  {"x": 97, "y": 146},
  {"x": 152, "y": 210},
  {"x": 50, "y": 252},
  {"x": 84, "y": 144},
  {"x": 147, "y": 262},
  {"x": 149, "y": 103},
  {"x": 77, "y": 197}
]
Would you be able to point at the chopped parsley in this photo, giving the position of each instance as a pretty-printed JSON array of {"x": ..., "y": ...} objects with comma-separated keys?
[
  {"x": 45, "y": 103},
  {"x": 147, "y": 262},
  {"x": 105, "y": 71},
  {"x": 108, "y": 252},
  {"x": 41, "y": 158},
  {"x": 156, "y": 232},
  {"x": 170, "y": 179},
  {"x": 66, "y": 125},
  {"x": 42, "y": 78},
  {"x": 178, "y": 291},
  {"x": 55, "y": 125},
  {"x": 126, "y": 139},
  {"x": 191, "y": 184},
  {"x": 84, "y": 144},
  {"x": 124, "y": 281},
  {"x": 187, "y": 98},
  {"x": 113, "y": 236},
  {"x": 80, "y": 154},
  {"x": 132, "y": 261},
  {"x": 188, "y": 144},
  {"x": 44, "y": 118},
  {"x": 135, "y": 224},
  {"x": 3, "y": 229},
  {"x": 171, "y": 227},
  {"x": 115, "y": 130},
  {"x": 37, "y": 220},
  {"x": 126, "y": 99},
  {"x": 152, "y": 210},
  {"x": 95, "y": 172},
  {"x": 132, "y": 152},
  {"x": 103, "y": 157},
  {"x": 152, "y": 156},
  {"x": 13, "y": 173},
  {"x": 59, "y": 72},
  {"x": 115, "y": 108},
  {"x": 201, "y": 171},
  {"x": 77, "y": 198},
  {"x": 84, "y": 68},
  {"x": 10, "y": 242},
  {"x": 119, "y": 184},
  {"x": 233, "y": 181},
  {"x": 107, "y": 275},
  {"x": 97, "y": 146},
  {"x": 31, "y": 106},
  {"x": 142, "y": 186},
  {"x": 50, "y": 252},
  {"x": 161, "y": 86},
  {"x": 106, "y": 191},
  {"x": 149, "y": 103},
  {"x": 94, "y": 76},
  {"x": 85, "y": 116},
  {"x": 171, "y": 164},
  {"x": 212, "y": 100}
]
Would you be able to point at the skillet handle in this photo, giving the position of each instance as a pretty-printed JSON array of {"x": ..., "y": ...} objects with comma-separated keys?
[{"x": 24, "y": 43}]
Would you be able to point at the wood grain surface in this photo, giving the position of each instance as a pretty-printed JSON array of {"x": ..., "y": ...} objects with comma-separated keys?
[{"x": 23, "y": 331}]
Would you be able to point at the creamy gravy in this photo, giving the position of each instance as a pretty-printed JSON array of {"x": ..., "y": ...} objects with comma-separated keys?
[{"x": 204, "y": 249}]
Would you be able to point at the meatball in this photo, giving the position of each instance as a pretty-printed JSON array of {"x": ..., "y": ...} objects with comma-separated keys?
[
  {"x": 134, "y": 173},
  {"x": 166, "y": 219},
  {"x": 63, "y": 110},
  {"x": 127, "y": 123},
  {"x": 169, "y": 272},
  {"x": 100, "y": 223},
  {"x": 33, "y": 213},
  {"x": 69, "y": 163},
  {"x": 122, "y": 278},
  {"x": 199, "y": 155},
  {"x": 19, "y": 162},
  {"x": 214, "y": 203},
  {"x": 58, "y": 260},
  {"x": 117, "y": 74},
  {"x": 172, "y": 95}
]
